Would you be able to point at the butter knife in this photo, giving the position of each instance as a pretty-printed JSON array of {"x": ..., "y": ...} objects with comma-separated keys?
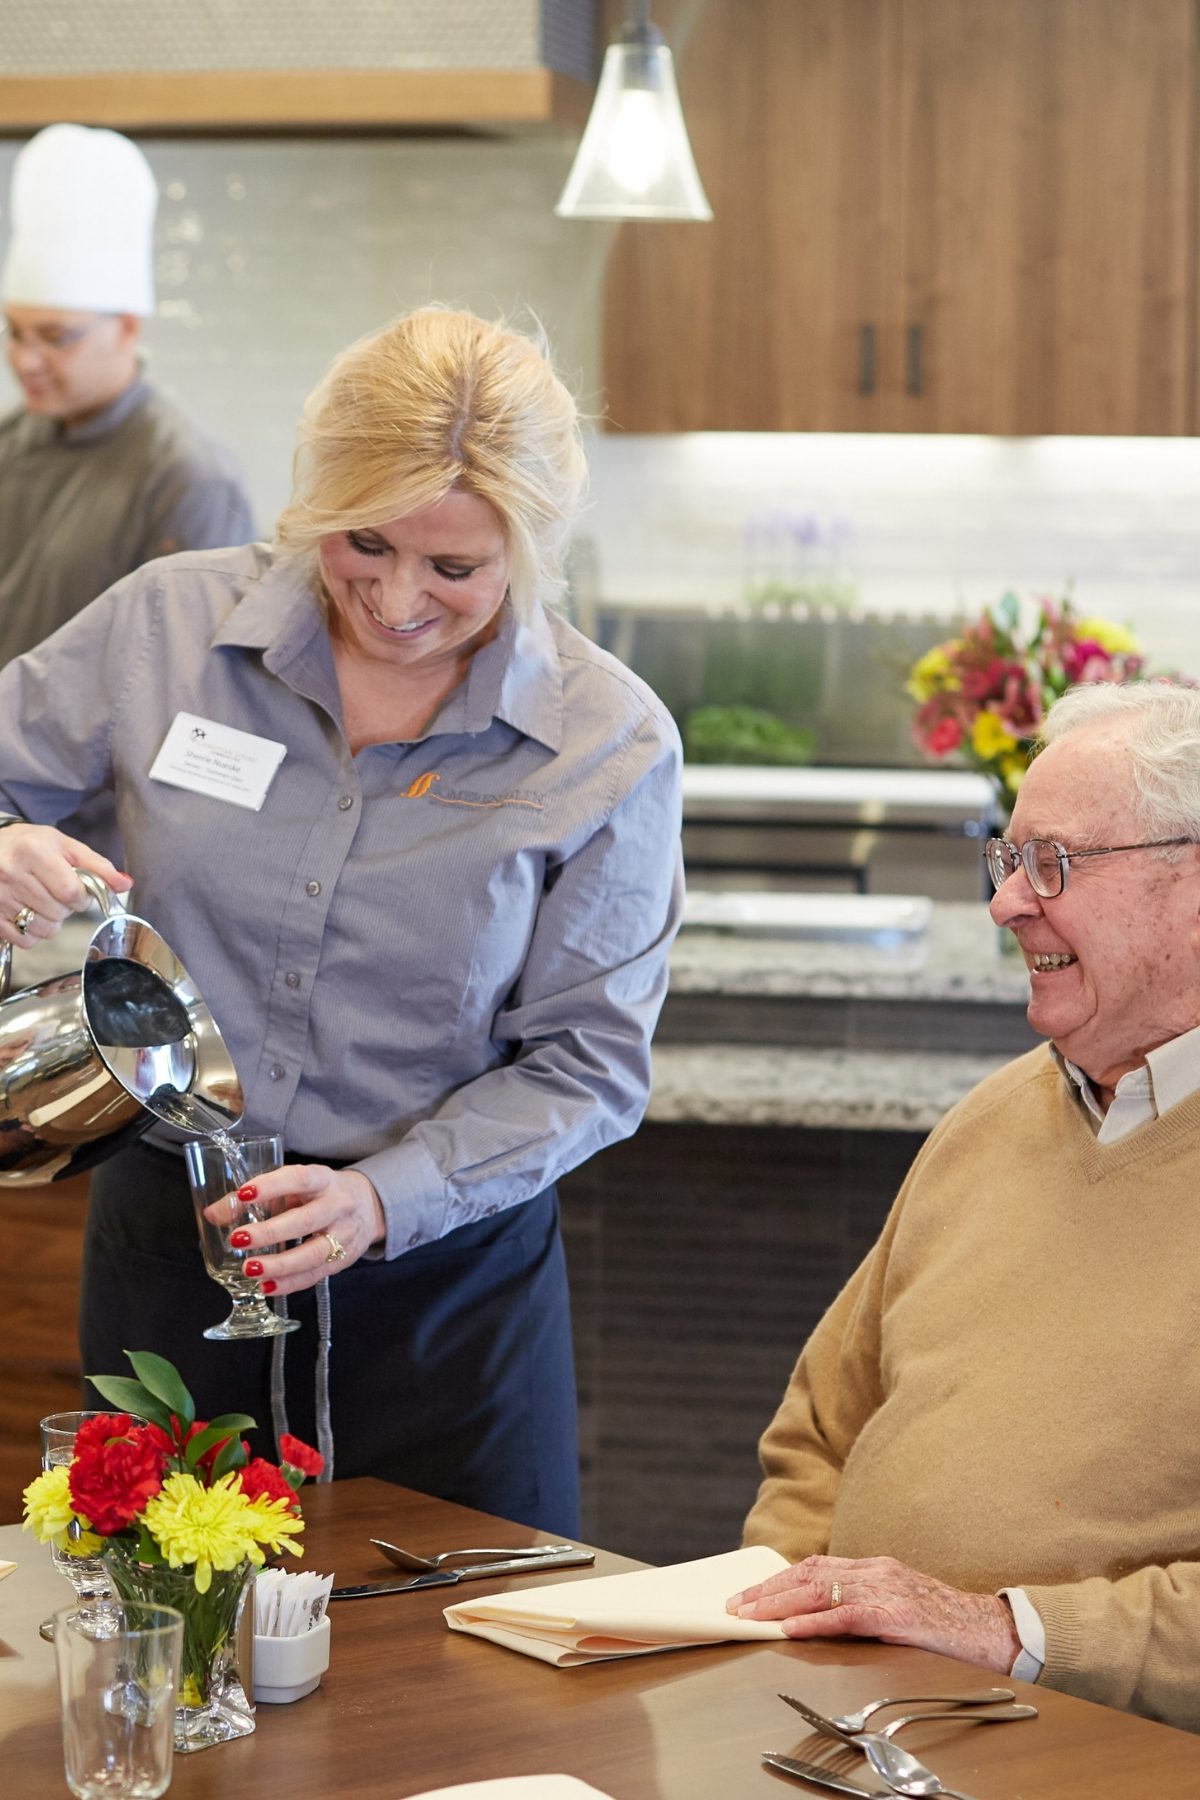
[
  {"x": 822, "y": 1777},
  {"x": 570, "y": 1558}
]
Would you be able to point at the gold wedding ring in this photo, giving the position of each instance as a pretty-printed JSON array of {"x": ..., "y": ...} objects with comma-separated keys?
[
  {"x": 835, "y": 1595},
  {"x": 336, "y": 1250},
  {"x": 24, "y": 919}
]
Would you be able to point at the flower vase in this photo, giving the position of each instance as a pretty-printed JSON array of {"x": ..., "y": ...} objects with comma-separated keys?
[{"x": 216, "y": 1685}]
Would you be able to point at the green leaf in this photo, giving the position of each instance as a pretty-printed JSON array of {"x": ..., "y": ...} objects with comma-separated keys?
[
  {"x": 147, "y": 1550},
  {"x": 1008, "y": 610},
  {"x": 233, "y": 1456},
  {"x": 213, "y": 1434},
  {"x": 233, "y": 1422},
  {"x": 164, "y": 1380},
  {"x": 131, "y": 1397}
]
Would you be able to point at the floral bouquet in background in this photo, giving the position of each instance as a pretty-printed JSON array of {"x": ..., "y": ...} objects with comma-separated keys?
[
  {"x": 982, "y": 695},
  {"x": 182, "y": 1515}
]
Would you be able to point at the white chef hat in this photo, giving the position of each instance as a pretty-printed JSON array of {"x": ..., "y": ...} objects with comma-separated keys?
[{"x": 82, "y": 205}]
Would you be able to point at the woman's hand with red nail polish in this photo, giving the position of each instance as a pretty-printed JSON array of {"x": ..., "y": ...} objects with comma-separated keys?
[
  {"x": 240, "y": 1239},
  {"x": 249, "y": 1192},
  {"x": 268, "y": 1287},
  {"x": 252, "y": 1267}
]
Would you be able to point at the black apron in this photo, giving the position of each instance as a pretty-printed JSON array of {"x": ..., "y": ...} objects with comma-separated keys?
[{"x": 451, "y": 1366}]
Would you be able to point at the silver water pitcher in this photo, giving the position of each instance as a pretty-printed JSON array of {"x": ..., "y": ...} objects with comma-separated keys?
[{"x": 89, "y": 1059}]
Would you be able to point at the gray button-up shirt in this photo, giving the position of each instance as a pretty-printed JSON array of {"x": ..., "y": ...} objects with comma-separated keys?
[
  {"x": 82, "y": 505},
  {"x": 441, "y": 959}
]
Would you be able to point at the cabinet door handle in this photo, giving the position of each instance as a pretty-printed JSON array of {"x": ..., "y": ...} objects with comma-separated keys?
[
  {"x": 914, "y": 381},
  {"x": 866, "y": 359}
]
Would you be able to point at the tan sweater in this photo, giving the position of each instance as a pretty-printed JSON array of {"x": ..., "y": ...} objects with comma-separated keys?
[{"x": 1007, "y": 1391}]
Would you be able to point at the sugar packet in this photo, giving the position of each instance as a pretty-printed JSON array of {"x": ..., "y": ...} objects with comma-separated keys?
[{"x": 287, "y": 1604}]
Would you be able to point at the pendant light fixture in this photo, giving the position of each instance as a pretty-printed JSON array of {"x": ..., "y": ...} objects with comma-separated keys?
[{"x": 634, "y": 160}]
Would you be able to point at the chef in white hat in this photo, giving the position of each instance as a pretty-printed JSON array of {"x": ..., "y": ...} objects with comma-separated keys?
[{"x": 99, "y": 472}]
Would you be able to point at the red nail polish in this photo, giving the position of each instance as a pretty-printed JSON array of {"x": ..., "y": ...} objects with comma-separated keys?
[
  {"x": 252, "y": 1267},
  {"x": 268, "y": 1287},
  {"x": 240, "y": 1239},
  {"x": 249, "y": 1192}
]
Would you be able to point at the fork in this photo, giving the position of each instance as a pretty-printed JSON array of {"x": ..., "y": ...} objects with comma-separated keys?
[
  {"x": 832, "y": 1728},
  {"x": 857, "y": 1721},
  {"x": 408, "y": 1559},
  {"x": 902, "y": 1772}
]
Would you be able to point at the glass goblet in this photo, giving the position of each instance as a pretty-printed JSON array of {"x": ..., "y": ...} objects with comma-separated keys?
[
  {"x": 88, "y": 1575},
  {"x": 217, "y": 1168}
]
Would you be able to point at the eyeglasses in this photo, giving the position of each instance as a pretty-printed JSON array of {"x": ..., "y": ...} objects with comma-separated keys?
[
  {"x": 51, "y": 339},
  {"x": 1047, "y": 864}
]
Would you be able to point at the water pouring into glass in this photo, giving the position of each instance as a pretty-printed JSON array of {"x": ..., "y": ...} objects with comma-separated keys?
[{"x": 89, "y": 1061}]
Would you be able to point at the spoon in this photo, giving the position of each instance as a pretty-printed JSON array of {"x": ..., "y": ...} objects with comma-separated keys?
[
  {"x": 857, "y": 1721},
  {"x": 903, "y": 1773},
  {"x": 408, "y": 1559}
]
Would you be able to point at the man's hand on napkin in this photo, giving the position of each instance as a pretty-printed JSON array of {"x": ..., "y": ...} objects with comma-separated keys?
[{"x": 570, "y": 1622}]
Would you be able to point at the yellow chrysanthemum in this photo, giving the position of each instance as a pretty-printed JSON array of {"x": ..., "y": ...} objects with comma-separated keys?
[
  {"x": 212, "y": 1527},
  {"x": 1118, "y": 640},
  {"x": 934, "y": 673},
  {"x": 275, "y": 1526},
  {"x": 49, "y": 1514},
  {"x": 989, "y": 738}
]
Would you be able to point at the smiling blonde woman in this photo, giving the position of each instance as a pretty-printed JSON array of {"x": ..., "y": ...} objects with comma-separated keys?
[{"x": 437, "y": 950}]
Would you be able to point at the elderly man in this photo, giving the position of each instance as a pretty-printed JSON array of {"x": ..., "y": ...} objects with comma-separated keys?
[
  {"x": 988, "y": 1447},
  {"x": 99, "y": 473}
]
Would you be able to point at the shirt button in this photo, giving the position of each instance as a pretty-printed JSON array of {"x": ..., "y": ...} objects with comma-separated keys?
[
  {"x": 413, "y": 1241},
  {"x": 292, "y": 979},
  {"x": 346, "y": 802},
  {"x": 312, "y": 887},
  {"x": 277, "y": 1071}
]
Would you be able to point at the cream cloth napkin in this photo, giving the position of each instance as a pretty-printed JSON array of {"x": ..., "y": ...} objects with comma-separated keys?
[
  {"x": 518, "y": 1787},
  {"x": 569, "y": 1622},
  {"x": 6, "y": 1568}
]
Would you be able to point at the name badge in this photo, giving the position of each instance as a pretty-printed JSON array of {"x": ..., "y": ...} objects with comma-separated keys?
[{"x": 207, "y": 758}]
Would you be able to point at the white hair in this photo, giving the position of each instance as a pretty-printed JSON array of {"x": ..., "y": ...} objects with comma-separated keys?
[{"x": 1157, "y": 725}]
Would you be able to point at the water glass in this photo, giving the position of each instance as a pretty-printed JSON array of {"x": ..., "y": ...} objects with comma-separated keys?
[
  {"x": 88, "y": 1575},
  {"x": 118, "y": 1701},
  {"x": 217, "y": 1168}
]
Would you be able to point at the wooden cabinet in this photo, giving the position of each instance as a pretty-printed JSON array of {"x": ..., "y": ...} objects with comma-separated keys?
[
  {"x": 39, "y": 1300},
  {"x": 930, "y": 215}
]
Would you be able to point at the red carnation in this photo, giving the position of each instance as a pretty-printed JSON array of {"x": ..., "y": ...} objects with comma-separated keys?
[
  {"x": 300, "y": 1456},
  {"x": 111, "y": 1482},
  {"x": 262, "y": 1480},
  {"x": 93, "y": 1434},
  {"x": 945, "y": 737}
]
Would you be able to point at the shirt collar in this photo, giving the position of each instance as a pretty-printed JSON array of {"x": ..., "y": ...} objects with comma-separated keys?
[
  {"x": 515, "y": 677},
  {"x": 104, "y": 423},
  {"x": 1170, "y": 1073}
]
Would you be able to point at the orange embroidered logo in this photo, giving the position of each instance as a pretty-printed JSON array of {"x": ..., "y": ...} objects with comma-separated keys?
[{"x": 420, "y": 787}]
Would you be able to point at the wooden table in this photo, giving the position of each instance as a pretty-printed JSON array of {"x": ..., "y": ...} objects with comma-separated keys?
[{"x": 407, "y": 1705}]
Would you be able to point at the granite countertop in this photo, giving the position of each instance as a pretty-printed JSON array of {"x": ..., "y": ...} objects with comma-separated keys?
[
  {"x": 857, "y": 1090},
  {"x": 958, "y": 958}
]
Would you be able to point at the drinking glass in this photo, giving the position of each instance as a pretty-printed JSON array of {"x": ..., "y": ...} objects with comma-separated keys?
[
  {"x": 118, "y": 1701},
  {"x": 217, "y": 1168},
  {"x": 88, "y": 1575}
]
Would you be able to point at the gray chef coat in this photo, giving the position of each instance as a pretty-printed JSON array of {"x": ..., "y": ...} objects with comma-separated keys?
[
  {"x": 82, "y": 505},
  {"x": 441, "y": 959}
]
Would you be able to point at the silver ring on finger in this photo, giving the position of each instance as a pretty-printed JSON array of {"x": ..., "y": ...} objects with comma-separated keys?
[
  {"x": 336, "y": 1250},
  {"x": 835, "y": 1595},
  {"x": 24, "y": 919}
]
